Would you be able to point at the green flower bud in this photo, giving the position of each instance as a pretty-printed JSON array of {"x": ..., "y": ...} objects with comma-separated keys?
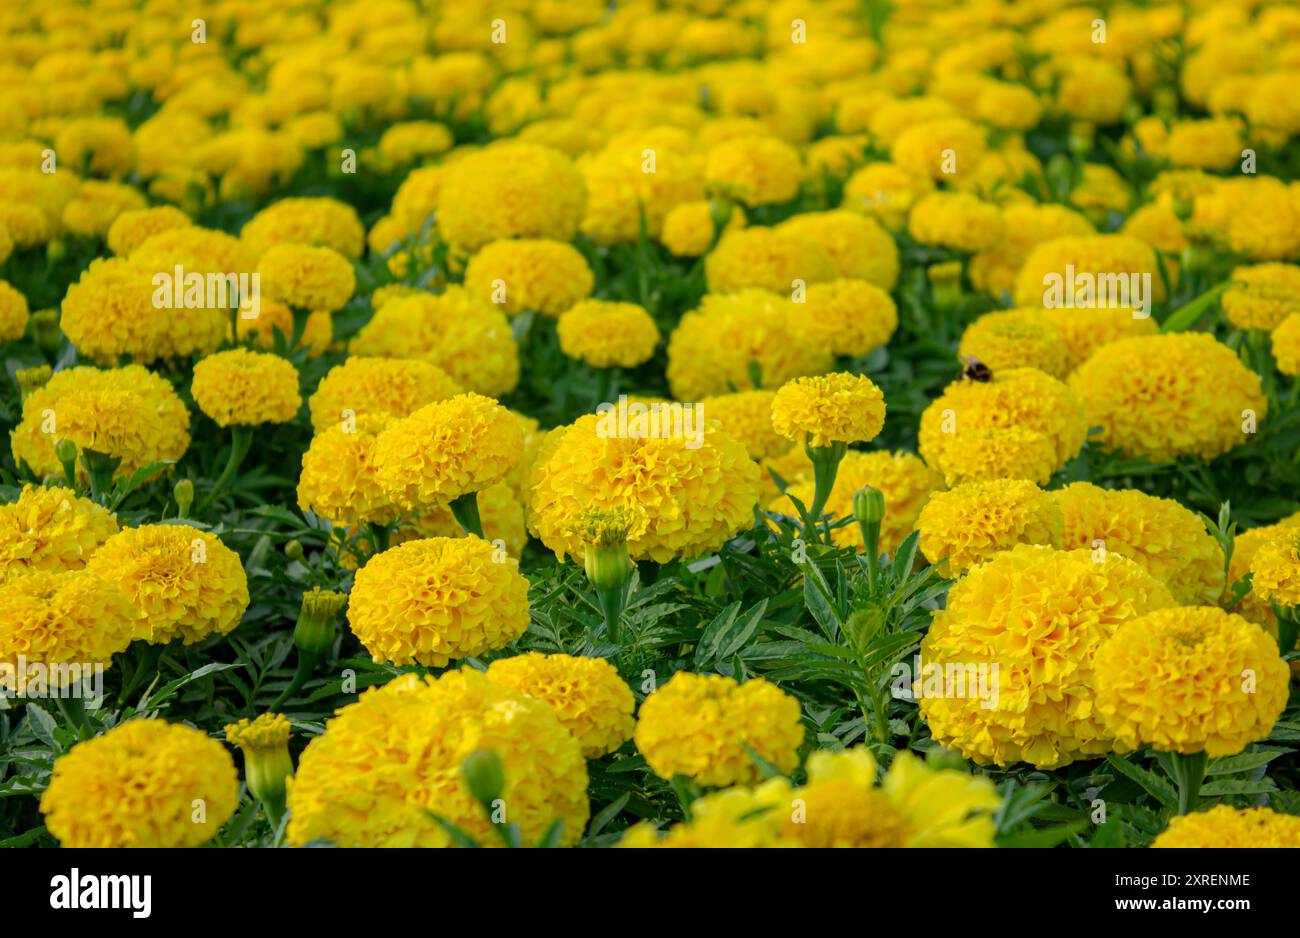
[
  {"x": 317, "y": 623},
  {"x": 183, "y": 492},
  {"x": 293, "y": 550},
  {"x": 484, "y": 776},
  {"x": 869, "y": 505}
]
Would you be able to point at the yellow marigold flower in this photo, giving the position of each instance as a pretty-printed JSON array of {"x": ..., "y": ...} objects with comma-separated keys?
[
  {"x": 834, "y": 408},
  {"x": 196, "y": 250},
  {"x": 886, "y": 192},
  {"x": 26, "y": 225},
  {"x": 747, "y": 416},
  {"x": 6, "y": 243},
  {"x": 1042, "y": 279},
  {"x": 944, "y": 149},
  {"x": 1093, "y": 90},
  {"x": 1166, "y": 396},
  {"x": 317, "y": 328},
  {"x": 606, "y": 334},
  {"x": 266, "y": 731},
  {"x": 388, "y": 760},
  {"x": 1286, "y": 345},
  {"x": 698, "y": 725},
  {"x": 183, "y": 582},
  {"x": 50, "y": 529},
  {"x": 61, "y": 617},
  {"x": 974, "y": 521},
  {"x": 131, "y": 229},
  {"x": 720, "y": 346},
  {"x": 754, "y": 170},
  {"x": 243, "y": 388},
  {"x": 858, "y": 247},
  {"x": 1025, "y": 226},
  {"x": 1086, "y": 330},
  {"x": 534, "y": 274},
  {"x": 137, "y": 786},
  {"x": 768, "y": 258},
  {"x": 1017, "y": 338},
  {"x": 128, "y": 413},
  {"x": 447, "y": 449},
  {"x": 92, "y": 211},
  {"x": 692, "y": 497},
  {"x": 1222, "y": 682},
  {"x": 1008, "y": 106},
  {"x": 941, "y": 807},
  {"x": 1204, "y": 144},
  {"x": 1038, "y": 615},
  {"x": 1262, "y": 295},
  {"x": 13, "y": 313},
  {"x": 114, "y": 309},
  {"x": 410, "y": 142},
  {"x": 307, "y": 277},
  {"x": 1159, "y": 226},
  {"x": 1022, "y": 424},
  {"x": 101, "y": 146},
  {"x": 1167, "y": 540},
  {"x": 1275, "y": 569},
  {"x": 956, "y": 220},
  {"x": 322, "y": 222},
  {"x": 510, "y": 190},
  {"x": 689, "y": 228},
  {"x": 850, "y": 317},
  {"x": 387, "y": 387},
  {"x": 633, "y": 179},
  {"x": 437, "y": 599},
  {"x": 1101, "y": 191},
  {"x": 1224, "y": 826},
  {"x": 339, "y": 481},
  {"x": 467, "y": 339},
  {"x": 594, "y": 704},
  {"x": 1256, "y": 217}
]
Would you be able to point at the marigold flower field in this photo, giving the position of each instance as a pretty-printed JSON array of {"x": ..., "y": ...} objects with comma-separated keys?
[{"x": 663, "y": 423}]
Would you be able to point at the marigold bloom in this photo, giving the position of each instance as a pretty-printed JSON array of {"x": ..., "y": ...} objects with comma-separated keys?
[
  {"x": 886, "y": 192},
  {"x": 127, "y": 413},
  {"x": 533, "y": 274},
  {"x": 593, "y": 703},
  {"x": 1275, "y": 568},
  {"x": 1169, "y": 541},
  {"x": 956, "y": 220},
  {"x": 605, "y": 334},
  {"x": 13, "y": 313},
  {"x": 138, "y": 785},
  {"x": 974, "y": 521},
  {"x": 54, "y": 617},
  {"x": 693, "y": 498},
  {"x": 307, "y": 277},
  {"x": 323, "y": 222},
  {"x": 377, "y": 387},
  {"x": 827, "y": 409},
  {"x": 239, "y": 387},
  {"x": 1167, "y": 396},
  {"x": 632, "y": 180},
  {"x": 1086, "y": 330},
  {"x": 1017, "y": 339},
  {"x": 1225, "y": 826},
  {"x": 754, "y": 170},
  {"x": 747, "y": 416},
  {"x": 1262, "y": 296},
  {"x": 858, "y": 248},
  {"x": 1222, "y": 683},
  {"x": 183, "y": 582},
  {"x": 850, "y": 317},
  {"x": 51, "y": 529},
  {"x": 388, "y": 760},
  {"x": 768, "y": 258},
  {"x": 698, "y": 725},
  {"x": 447, "y": 449},
  {"x": 437, "y": 599},
  {"x": 689, "y": 228},
  {"x": 1039, "y": 615},
  {"x": 339, "y": 481},
  {"x": 131, "y": 229}
]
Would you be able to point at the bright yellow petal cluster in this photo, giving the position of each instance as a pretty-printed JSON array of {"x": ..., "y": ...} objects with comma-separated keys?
[
  {"x": 51, "y": 529},
  {"x": 239, "y": 387},
  {"x": 447, "y": 449},
  {"x": 525, "y": 274},
  {"x": 699, "y": 725},
  {"x": 1261, "y": 296},
  {"x": 956, "y": 220},
  {"x": 436, "y": 600},
  {"x": 1017, "y": 339},
  {"x": 379, "y": 387},
  {"x": 592, "y": 701},
  {"x": 767, "y": 258},
  {"x": 1224, "y": 826},
  {"x": 324, "y": 222},
  {"x": 1037, "y": 615},
  {"x": 13, "y": 313},
  {"x": 1167, "y": 540},
  {"x": 306, "y": 277},
  {"x": 68, "y": 616},
  {"x": 859, "y": 248},
  {"x": 1190, "y": 679},
  {"x": 138, "y": 785},
  {"x": 974, "y": 521},
  {"x": 132, "y": 229},
  {"x": 1086, "y": 330},
  {"x": 1103, "y": 257},
  {"x": 183, "y": 582},
  {"x": 850, "y": 317},
  {"x": 339, "y": 481},
  {"x": 826, "y": 409},
  {"x": 693, "y": 497},
  {"x": 747, "y": 416},
  {"x": 388, "y": 760},
  {"x": 605, "y": 334},
  {"x": 754, "y": 170},
  {"x": 1275, "y": 569},
  {"x": 1170, "y": 396}
]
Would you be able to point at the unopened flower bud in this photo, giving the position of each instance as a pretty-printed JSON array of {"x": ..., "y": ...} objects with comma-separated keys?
[
  {"x": 267, "y": 763},
  {"x": 45, "y": 329},
  {"x": 293, "y": 550},
  {"x": 484, "y": 776},
  {"x": 869, "y": 505},
  {"x": 317, "y": 623},
  {"x": 183, "y": 492}
]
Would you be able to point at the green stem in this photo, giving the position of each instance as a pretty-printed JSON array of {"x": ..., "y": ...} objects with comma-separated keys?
[
  {"x": 378, "y": 538},
  {"x": 611, "y": 607},
  {"x": 826, "y": 463},
  {"x": 465, "y": 510},
  {"x": 241, "y": 439},
  {"x": 1189, "y": 772},
  {"x": 1288, "y": 628},
  {"x": 307, "y": 662},
  {"x": 74, "y": 711}
]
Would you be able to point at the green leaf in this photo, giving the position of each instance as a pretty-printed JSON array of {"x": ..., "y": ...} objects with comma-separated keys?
[
  {"x": 1189, "y": 315},
  {"x": 1153, "y": 784}
]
